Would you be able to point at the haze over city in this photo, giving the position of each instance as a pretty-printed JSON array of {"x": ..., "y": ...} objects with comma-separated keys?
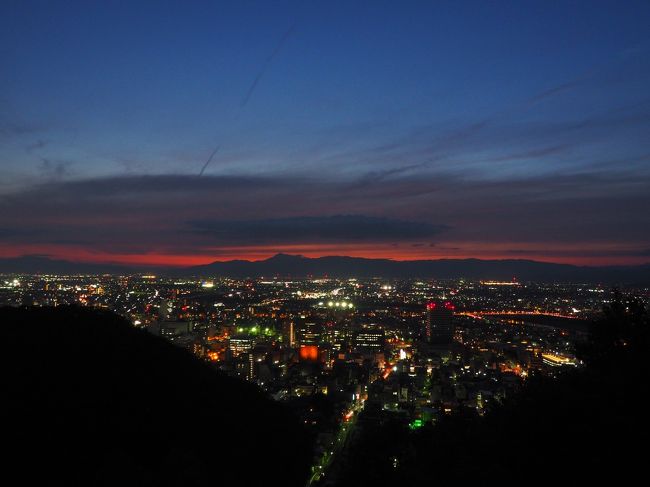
[{"x": 177, "y": 134}]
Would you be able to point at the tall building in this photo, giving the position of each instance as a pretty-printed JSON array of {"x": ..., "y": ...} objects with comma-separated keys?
[
  {"x": 439, "y": 327},
  {"x": 369, "y": 340},
  {"x": 245, "y": 366},
  {"x": 309, "y": 333},
  {"x": 238, "y": 345},
  {"x": 289, "y": 333},
  {"x": 338, "y": 338}
]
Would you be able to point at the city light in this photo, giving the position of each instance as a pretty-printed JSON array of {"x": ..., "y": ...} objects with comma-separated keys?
[{"x": 429, "y": 357}]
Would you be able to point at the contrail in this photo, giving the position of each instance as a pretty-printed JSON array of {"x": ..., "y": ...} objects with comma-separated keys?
[
  {"x": 253, "y": 86},
  {"x": 205, "y": 166},
  {"x": 267, "y": 64}
]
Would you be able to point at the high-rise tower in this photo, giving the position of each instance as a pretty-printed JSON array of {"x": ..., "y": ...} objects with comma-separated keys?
[{"x": 439, "y": 327}]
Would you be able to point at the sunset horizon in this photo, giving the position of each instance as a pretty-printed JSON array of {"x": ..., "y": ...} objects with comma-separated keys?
[
  {"x": 421, "y": 132},
  {"x": 154, "y": 260}
]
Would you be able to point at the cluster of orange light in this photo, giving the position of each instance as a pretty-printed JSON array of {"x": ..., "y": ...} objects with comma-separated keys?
[
  {"x": 309, "y": 352},
  {"x": 387, "y": 371},
  {"x": 517, "y": 370},
  {"x": 219, "y": 338}
]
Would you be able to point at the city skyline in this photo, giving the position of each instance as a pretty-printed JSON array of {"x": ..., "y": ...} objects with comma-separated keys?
[
  {"x": 175, "y": 135},
  {"x": 348, "y": 379}
]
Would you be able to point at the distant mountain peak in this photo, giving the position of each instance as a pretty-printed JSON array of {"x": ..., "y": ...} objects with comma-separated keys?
[{"x": 285, "y": 257}]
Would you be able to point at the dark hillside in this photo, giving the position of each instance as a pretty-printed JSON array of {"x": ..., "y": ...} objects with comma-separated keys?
[{"x": 93, "y": 401}]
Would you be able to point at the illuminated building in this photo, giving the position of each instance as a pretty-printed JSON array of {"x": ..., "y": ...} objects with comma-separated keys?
[
  {"x": 292, "y": 335},
  {"x": 245, "y": 366},
  {"x": 239, "y": 345},
  {"x": 555, "y": 360},
  {"x": 309, "y": 353},
  {"x": 439, "y": 327},
  {"x": 309, "y": 333},
  {"x": 338, "y": 338},
  {"x": 289, "y": 333},
  {"x": 199, "y": 349},
  {"x": 175, "y": 328},
  {"x": 369, "y": 340}
]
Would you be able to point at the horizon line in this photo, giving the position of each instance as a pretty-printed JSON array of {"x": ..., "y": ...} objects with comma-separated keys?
[{"x": 171, "y": 265}]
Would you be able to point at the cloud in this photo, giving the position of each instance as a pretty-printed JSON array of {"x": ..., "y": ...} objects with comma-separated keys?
[
  {"x": 531, "y": 154},
  {"x": 375, "y": 176},
  {"x": 39, "y": 144},
  {"x": 582, "y": 119},
  {"x": 179, "y": 214},
  {"x": 54, "y": 169},
  {"x": 306, "y": 229},
  {"x": 9, "y": 129}
]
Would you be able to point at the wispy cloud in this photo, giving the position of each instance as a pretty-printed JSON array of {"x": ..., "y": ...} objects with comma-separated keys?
[
  {"x": 54, "y": 169},
  {"x": 37, "y": 145}
]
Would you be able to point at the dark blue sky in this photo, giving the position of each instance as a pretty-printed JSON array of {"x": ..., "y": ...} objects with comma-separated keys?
[{"x": 501, "y": 129}]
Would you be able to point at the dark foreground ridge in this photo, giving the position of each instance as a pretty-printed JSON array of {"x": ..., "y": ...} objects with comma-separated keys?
[{"x": 94, "y": 401}]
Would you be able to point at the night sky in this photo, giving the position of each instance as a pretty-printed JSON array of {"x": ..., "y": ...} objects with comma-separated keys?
[{"x": 380, "y": 129}]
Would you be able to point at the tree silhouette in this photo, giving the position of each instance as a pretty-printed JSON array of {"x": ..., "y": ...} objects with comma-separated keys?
[{"x": 622, "y": 332}]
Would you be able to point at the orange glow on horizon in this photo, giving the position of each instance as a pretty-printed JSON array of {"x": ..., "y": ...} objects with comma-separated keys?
[{"x": 575, "y": 253}]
